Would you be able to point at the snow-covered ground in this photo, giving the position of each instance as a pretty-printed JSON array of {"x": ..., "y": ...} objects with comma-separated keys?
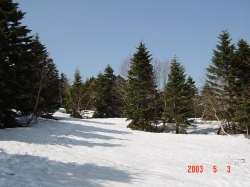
[{"x": 103, "y": 152}]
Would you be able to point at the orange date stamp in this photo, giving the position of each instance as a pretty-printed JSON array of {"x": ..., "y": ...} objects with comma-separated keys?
[{"x": 200, "y": 169}]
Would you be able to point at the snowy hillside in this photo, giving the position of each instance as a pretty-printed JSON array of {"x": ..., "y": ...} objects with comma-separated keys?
[{"x": 103, "y": 152}]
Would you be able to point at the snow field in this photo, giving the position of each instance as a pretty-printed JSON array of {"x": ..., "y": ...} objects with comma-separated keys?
[{"x": 103, "y": 152}]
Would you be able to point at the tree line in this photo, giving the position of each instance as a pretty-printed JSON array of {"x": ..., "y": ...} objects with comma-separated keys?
[
  {"x": 146, "y": 91},
  {"x": 149, "y": 92}
]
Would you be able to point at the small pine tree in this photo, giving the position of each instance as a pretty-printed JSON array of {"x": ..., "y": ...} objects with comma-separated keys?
[
  {"x": 89, "y": 96},
  {"x": 178, "y": 96},
  {"x": 63, "y": 84},
  {"x": 104, "y": 94},
  {"x": 140, "y": 91},
  {"x": 76, "y": 94},
  {"x": 191, "y": 95}
]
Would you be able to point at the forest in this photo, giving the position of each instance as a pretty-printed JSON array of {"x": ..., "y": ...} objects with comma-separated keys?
[{"x": 148, "y": 92}]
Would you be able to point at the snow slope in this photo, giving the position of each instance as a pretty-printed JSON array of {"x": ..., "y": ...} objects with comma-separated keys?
[{"x": 103, "y": 152}]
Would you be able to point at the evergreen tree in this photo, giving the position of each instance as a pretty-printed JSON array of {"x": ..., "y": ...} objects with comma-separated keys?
[
  {"x": 104, "y": 94},
  {"x": 50, "y": 93},
  {"x": 206, "y": 92},
  {"x": 221, "y": 74},
  {"x": 39, "y": 61},
  {"x": 76, "y": 95},
  {"x": 191, "y": 96},
  {"x": 15, "y": 62},
  {"x": 242, "y": 70},
  {"x": 63, "y": 84},
  {"x": 140, "y": 90},
  {"x": 178, "y": 96},
  {"x": 89, "y": 96},
  {"x": 45, "y": 97},
  {"x": 242, "y": 86}
]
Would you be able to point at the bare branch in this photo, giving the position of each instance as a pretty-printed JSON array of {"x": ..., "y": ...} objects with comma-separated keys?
[{"x": 125, "y": 66}]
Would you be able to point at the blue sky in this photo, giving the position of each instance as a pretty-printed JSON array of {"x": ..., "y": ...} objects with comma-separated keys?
[{"x": 89, "y": 34}]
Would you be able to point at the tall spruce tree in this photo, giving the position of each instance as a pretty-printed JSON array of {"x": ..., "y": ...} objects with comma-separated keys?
[
  {"x": 105, "y": 102},
  {"x": 15, "y": 62},
  {"x": 242, "y": 86},
  {"x": 221, "y": 74},
  {"x": 178, "y": 94},
  {"x": 242, "y": 70},
  {"x": 140, "y": 90},
  {"x": 50, "y": 93},
  {"x": 45, "y": 97}
]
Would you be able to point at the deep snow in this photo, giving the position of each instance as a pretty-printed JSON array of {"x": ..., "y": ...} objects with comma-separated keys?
[{"x": 103, "y": 152}]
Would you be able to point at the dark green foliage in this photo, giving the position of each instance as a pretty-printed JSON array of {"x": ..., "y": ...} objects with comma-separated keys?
[
  {"x": 228, "y": 79},
  {"x": 89, "y": 94},
  {"x": 50, "y": 93},
  {"x": 15, "y": 60},
  {"x": 221, "y": 74},
  {"x": 140, "y": 91},
  {"x": 76, "y": 95},
  {"x": 191, "y": 95},
  {"x": 63, "y": 84},
  {"x": 21, "y": 67},
  {"x": 242, "y": 88},
  {"x": 105, "y": 99},
  {"x": 44, "y": 99},
  {"x": 179, "y": 95}
]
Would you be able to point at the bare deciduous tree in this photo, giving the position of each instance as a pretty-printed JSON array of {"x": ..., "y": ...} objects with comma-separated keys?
[
  {"x": 124, "y": 67},
  {"x": 213, "y": 105},
  {"x": 161, "y": 70}
]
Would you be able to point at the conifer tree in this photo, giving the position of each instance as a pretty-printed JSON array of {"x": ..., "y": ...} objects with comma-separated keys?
[
  {"x": 178, "y": 94},
  {"x": 104, "y": 94},
  {"x": 89, "y": 94},
  {"x": 76, "y": 95},
  {"x": 242, "y": 86},
  {"x": 15, "y": 62},
  {"x": 191, "y": 96},
  {"x": 50, "y": 93},
  {"x": 242, "y": 70},
  {"x": 140, "y": 90},
  {"x": 45, "y": 96},
  {"x": 63, "y": 84},
  {"x": 221, "y": 74}
]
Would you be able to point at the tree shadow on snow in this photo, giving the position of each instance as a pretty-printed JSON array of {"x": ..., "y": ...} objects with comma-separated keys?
[
  {"x": 28, "y": 170},
  {"x": 91, "y": 120},
  {"x": 207, "y": 130},
  {"x": 88, "y": 126},
  {"x": 64, "y": 133}
]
